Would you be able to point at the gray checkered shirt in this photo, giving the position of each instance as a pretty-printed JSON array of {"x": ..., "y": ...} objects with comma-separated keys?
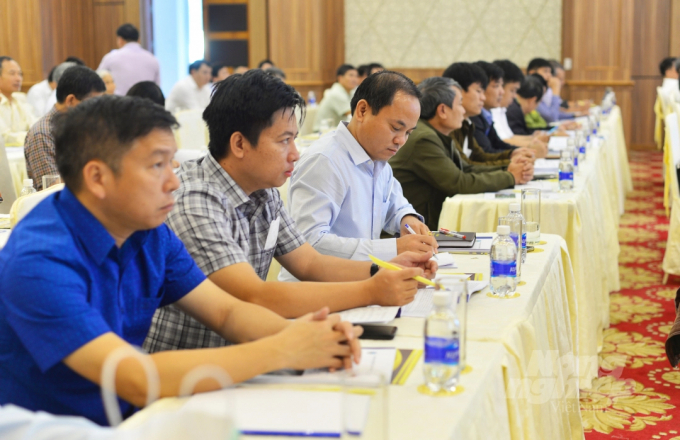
[{"x": 220, "y": 225}]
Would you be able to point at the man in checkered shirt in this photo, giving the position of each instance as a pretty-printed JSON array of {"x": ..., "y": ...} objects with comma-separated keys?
[
  {"x": 77, "y": 84},
  {"x": 232, "y": 220}
]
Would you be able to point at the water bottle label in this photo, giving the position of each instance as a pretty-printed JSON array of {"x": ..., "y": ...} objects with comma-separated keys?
[
  {"x": 441, "y": 350},
  {"x": 582, "y": 150},
  {"x": 504, "y": 268},
  {"x": 564, "y": 175},
  {"x": 575, "y": 161},
  {"x": 524, "y": 241}
]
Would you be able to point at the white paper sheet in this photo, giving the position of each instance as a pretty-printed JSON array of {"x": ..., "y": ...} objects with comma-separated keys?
[
  {"x": 422, "y": 304},
  {"x": 444, "y": 259},
  {"x": 482, "y": 245},
  {"x": 370, "y": 314},
  {"x": 373, "y": 360},
  {"x": 557, "y": 143}
]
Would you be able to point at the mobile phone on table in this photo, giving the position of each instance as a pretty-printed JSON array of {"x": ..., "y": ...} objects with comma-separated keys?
[{"x": 380, "y": 332}]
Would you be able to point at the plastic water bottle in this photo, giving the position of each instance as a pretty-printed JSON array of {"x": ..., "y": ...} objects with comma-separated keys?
[
  {"x": 28, "y": 187},
  {"x": 518, "y": 228},
  {"x": 503, "y": 263},
  {"x": 574, "y": 152},
  {"x": 566, "y": 170},
  {"x": 581, "y": 146},
  {"x": 442, "y": 345},
  {"x": 311, "y": 98}
]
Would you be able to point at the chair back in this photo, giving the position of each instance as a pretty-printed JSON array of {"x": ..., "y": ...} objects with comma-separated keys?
[
  {"x": 24, "y": 204},
  {"x": 308, "y": 124},
  {"x": 9, "y": 193},
  {"x": 193, "y": 131}
]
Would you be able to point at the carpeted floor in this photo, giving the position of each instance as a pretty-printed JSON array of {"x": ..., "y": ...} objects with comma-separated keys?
[{"x": 637, "y": 395}]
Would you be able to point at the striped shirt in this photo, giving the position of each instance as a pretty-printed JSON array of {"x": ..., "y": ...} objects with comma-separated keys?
[{"x": 39, "y": 150}]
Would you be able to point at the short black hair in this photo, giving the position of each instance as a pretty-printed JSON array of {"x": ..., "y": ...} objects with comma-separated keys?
[
  {"x": 436, "y": 91},
  {"x": 79, "y": 81},
  {"x": 364, "y": 69},
  {"x": 372, "y": 66},
  {"x": 148, "y": 90},
  {"x": 379, "y": 89},
  {"x": 511, "y": 71},
  {"x": 216, "y": 69},
  {"x": 265, "y": 61},
  {"x": 103, "y": 128},
  {"x": 540, "y": 79},
  {"x": 246, "y": 104},
  {"x": 538, "y": 63},
  {"x": 555, "y": 65},
  {"x": 493, "y": 72},
  {"x": 466, "y": 74},
  {"x": 49, "y": 77},
  {"x": 344, "y": 69},
  {"x": 128, "y": 32},
  {"x": 531, "y": 88},
  {"x": 197, "y": 65},
  {"x": 2, "y": 60},
  {"x": 667, "y": 63},
  {"x": 275, "y": 72},
  {"x": 73, "y": 59}
]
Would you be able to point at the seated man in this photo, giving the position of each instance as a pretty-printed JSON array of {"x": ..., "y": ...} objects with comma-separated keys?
[
  {"x": 335, "y": 105},
  {"x": 232, "y": 220},
  {"x": 669, "y": 72},
  {"x": 343, "y": 193},
  {"x": 39, "y": 93},
  {"x": 84, "y": 272},
  {"x": 528, "y": 96},
  {"x": 77, "y": 84},
  {"x": 512, "y": 78},
  {"x": 192, "y": 92},
  {"x": 16, "y": 116},
  {"x": 368, "y": 69},
  {"x": 429, "y": 166},
  {"x": 577, "y": 108},
  {"x": 473, "y": 81},
  {"x": 549, "y": 106}
]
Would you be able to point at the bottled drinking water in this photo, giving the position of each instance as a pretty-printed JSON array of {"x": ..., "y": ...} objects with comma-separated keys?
[
  {"x": 566, "y": 170},
  {"x": 311, "y": 99},
  {"x": 581, "y": 146},
  {"x": 503, "y": 263},
  {"x": 571, "y": 145},
  {"x": 518, "y": 228},
  {"x": 442, "y": 345},
  {"x": 28, "y": 187}
]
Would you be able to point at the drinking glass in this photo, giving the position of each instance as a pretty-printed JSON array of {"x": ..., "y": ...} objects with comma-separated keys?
[
  {"x": 364, "y": 405},
  {"x": 458, "y": 285},
  {"x": 49, "y": 180},
  {"x": 531, "y": 211}
]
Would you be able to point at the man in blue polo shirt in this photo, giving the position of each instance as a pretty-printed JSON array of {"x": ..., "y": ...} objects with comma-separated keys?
[{"x": 84, "y": 272}]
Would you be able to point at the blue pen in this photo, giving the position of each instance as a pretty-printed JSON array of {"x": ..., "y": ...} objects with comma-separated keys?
[{"x": 411, "y": 231}]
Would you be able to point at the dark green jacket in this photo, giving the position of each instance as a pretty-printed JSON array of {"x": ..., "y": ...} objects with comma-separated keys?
[
  {"x": 477, "y": 154},
  {"x": 430, "y": 169}
]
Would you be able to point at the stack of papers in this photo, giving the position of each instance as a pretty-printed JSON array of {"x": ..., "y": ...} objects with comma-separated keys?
[
  {"x": 546, "y": 167},
  {"x": 482, "y": 246},
  {"x": 370, "y": 315},
  {"x": 445, "y": 259},
  {"x": 422, "y": 304}
]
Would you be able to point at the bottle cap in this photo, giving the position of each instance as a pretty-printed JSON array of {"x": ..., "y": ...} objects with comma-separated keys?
[
  {"x": 28, "y": 182},
  {"x": 441, "y": 298},
  {"x": 503, "y": 230},
  {"x": 514, "y": 207}
]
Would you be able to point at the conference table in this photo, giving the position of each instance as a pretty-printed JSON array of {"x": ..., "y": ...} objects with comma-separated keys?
[
  {"x": 524, "y": 374},
  {"x": 587, "y": 218}
]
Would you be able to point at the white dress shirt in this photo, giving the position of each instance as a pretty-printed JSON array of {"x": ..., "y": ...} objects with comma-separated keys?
[
  {"x": 341, "y": 199},
  {"x": 185, "y": 95},
  {"x": 500, "y": 123},
  {"x": 37, "y": 97},
  {"x": 336, "y": 103},
  {"x": 15, "y": 117}
]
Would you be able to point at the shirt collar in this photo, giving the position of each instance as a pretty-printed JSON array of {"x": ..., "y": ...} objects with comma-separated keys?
[
  {"x": 131, "y": 45},
  {"x": 486, "y": 114},
  {"x": 228, "y": 185},
  {"x": 355, "y": 150},
  {"x": 83, "y": 225}
]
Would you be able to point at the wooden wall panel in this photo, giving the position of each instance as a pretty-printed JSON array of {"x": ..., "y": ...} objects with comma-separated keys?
[
  {"x": 675, "y": 28},
  {"x": 107, "y": 18},
  {"x": 257, "y": 26},
  {"x": 651, "y": 36},
  {"x": 19, "y": 21}
]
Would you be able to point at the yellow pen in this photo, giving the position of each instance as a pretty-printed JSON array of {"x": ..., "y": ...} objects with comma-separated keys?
[{"x": 390, "y": 266}]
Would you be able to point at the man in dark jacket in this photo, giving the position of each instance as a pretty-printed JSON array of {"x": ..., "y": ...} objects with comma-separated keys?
[{"x": 430, "y": 167}]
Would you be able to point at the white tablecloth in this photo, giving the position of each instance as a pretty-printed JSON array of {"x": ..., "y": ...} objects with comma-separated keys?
[{"x": 17, "y": 166}]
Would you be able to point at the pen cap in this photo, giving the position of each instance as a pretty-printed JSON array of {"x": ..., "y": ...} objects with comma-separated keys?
[
  {"x": 503, "y": 230},
  {"x": 442, "y": 298},
  {"x": 514, "y": 207}
]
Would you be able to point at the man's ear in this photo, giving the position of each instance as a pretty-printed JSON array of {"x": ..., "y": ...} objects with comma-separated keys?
[
  {"x": 71, "y": 101},
  {"x": 441, "y": 111},
  {"x": 361, "y": 110},
  {"x": 238, "y": 144},
  {"x": 96, "y": 177}
]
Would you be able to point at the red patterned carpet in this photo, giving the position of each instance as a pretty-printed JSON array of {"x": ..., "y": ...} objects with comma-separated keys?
[{"x": 637, "y": 395}]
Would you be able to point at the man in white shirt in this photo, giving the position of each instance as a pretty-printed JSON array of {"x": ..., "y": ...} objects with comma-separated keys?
[
  {"x": 16, "y": 116},
  {"x": 39, "y": 94},
  {"x": 669, "y": 70},
  {"x": 335, "y": 105},
  {"x": 342, "y": 191},
  {"x": 192, "y": 92}
]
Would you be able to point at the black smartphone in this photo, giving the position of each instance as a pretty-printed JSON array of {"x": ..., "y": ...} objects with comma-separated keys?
[{"x": 382, "y": 332}]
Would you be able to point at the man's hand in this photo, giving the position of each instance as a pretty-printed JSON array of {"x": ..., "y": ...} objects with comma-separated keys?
[
  {"x": 570, "y": 125},
  {"x": 317, "y": 341},
  {"x": 421, "y": 241},
  {"x": 394, "y": 287},
  {"x": 415, "y": 224},
  {"x": 539, "y": 146},
  {"x": 417, "y": 259},
  {"x": 527, "y": 153},
  {"x": 351, "y": 332},
  {"x": 542, "y": 136},
  {"x": 522, "y": 170},
  {"x": 556, "y": 85}
]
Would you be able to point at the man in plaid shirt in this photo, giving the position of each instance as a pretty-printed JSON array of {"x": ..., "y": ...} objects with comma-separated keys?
[
  {"x": 77, "y": 84},
  {"x": 232, "y": 220}
]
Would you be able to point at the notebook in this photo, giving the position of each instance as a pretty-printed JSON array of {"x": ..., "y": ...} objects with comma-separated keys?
[{"x": 448, "y": 242}]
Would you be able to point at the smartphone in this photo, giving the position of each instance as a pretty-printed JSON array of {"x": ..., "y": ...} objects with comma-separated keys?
[{"x": 381, "y": 332}]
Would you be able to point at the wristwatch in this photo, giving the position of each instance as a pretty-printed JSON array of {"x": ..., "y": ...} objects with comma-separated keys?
[{"x": 374, "y": 269}]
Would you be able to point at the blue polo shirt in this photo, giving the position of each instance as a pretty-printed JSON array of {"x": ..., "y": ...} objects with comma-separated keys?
[{"x": 63, "y": 283}]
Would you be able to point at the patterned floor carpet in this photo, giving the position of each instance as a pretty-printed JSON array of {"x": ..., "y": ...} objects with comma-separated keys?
[{"x": 637, "y": 395}]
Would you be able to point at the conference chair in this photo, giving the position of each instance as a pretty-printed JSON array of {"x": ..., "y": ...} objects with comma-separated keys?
[
  {"x": 24, "y": 204},
  {"x": 193, "y": 131},
  {"x": 7, "y": 188},
  {"x": 671, "y": 259}
]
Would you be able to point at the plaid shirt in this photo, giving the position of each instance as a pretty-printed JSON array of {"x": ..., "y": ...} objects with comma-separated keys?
[
  {"x": 220, "y": 225},
  {"x": 39, "y": 150}
]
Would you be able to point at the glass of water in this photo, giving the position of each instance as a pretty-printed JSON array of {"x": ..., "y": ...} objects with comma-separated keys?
[
  {"x": 458, "y": 285},
  {"x": 531, "y": 211},
  {"x": 364, "y": 409}
]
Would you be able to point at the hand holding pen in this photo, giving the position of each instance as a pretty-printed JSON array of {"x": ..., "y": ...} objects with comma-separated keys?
[{"x": 416, "y": 242}]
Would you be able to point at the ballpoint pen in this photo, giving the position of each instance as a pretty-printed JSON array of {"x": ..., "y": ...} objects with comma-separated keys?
[
  {"x": 411, "y": 231},
  {"x": 451, "y": 233},
  {"x": 391, "y": 266}
]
